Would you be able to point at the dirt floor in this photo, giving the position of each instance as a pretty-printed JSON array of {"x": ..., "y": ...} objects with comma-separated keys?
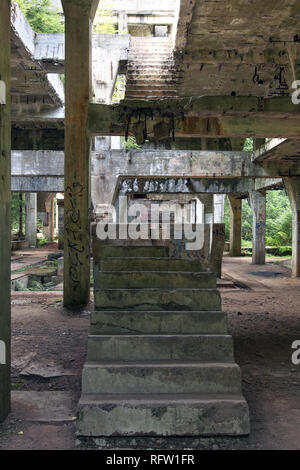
[{"x": 48, "y": 351}]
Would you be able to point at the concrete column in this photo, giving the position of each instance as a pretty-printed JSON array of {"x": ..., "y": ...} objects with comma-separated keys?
[
  {"x": 292, "y": 185},
  {"x": 31, "y": 218},
  {"x": 78, "y": 23},
  {"x": 60, "y": 210},
  {"x": 122, "y": 23},
  {"x": 219, "y": 202},
  {"x": 258, "y": 205},
  {"x": 235, "y": 226},
  {"x": 208, "y": 201},
  {"x": 51, "y": 220},
  {"x": 5, "y": 163}
]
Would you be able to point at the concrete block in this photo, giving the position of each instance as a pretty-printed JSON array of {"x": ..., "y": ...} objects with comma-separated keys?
[
  {"x": 160, "y": 415},
  {"x": 161, "y": 322},
  {"x": 163, "y": 280},
  {"x": 202, "y": 348},
  {"x": 161, "y": 377},
  {"x": 157, "y": 299}
]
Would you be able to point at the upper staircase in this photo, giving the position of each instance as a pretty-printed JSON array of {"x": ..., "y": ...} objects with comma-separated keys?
[{"x": 151, "y": 72}]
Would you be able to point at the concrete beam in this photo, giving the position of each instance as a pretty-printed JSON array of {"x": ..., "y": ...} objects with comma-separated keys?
[
  {"x": 193, "y": 164},
  {"x": 37, "y": 184},
  {"x": 201, "y": 117},
  {"x": 5, "y": 244},
  {"x": 37, "y": 163},
  {"x": 276, "y": 150},
  {"x": 268, "y": 183}
]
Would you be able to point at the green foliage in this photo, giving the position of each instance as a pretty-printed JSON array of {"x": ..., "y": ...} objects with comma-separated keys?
[
  {"x": 104, "y": 21},
  {"x": 15, "y": 211},
  {"x": 42, "y": 242},
  {"x": 248, "y": 145},
  {"x": 41, "y": 17},
  {"x": 130, "y": 144},
  {"x": 35, "y": 286},
  {"x": 278, "y": 219},
  {"x": 119, "y": 91}
]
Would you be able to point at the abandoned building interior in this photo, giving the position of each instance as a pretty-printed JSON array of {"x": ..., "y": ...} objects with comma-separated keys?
[{"x": 93, "y": 124}]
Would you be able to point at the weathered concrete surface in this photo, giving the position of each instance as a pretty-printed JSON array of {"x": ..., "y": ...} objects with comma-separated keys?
[
  {"x": 160, "y": 416},
  {"x": 31, "y": 219},
  {"x": 5, "y": 148},
  {"x": 141, "y": 322},
  {"x": 157, "y": 299},
  {"x": 235, "y": 226},
  {"x": 205, "y": 348},
  {"x": 163, "y": 280},
  {"x": 134, "y": 358},
  {"x": 37, "y": 184},
  {"x": 293, "y": 189},
  {"x": 204, "y": 116},
  {"x": 147, "y": 377},
  {"x": 78, "y": 18},
  {"x": 214, "y": 53},
  {"x": 258, "y": 205}
]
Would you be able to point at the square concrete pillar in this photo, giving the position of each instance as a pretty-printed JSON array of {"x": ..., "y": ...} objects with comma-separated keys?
[
  {"x": 60, "y": 210},
  {"x": 219, "y": 203},
  {"x": 235, "y": 226},
  {"x": 292, "y": 185},
  {"x": 258, "y": 205},
  {"x": 5, "y": 194},
  {"x": 31, "y": 218},
  {"x": 78, "y": 20}
]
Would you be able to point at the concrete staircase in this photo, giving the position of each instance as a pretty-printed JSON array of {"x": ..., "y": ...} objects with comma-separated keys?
[
  {"x": 159, "y": 359},
  {"x": 151, "y": 72}
]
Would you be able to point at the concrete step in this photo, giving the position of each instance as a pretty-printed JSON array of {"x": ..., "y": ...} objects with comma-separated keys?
[
  {"x": 142, "y": 81},
  {"x": 100, "y": 251},
  {"x": 151, "y": 94},
  {"x": 157, "y": 299},
  {"x": 161, "y": 415},
  {"x": 157, "y": 280},
  {"x": 165, "y": 68},
  {"x": 161, "y": 322},
  {"x": 149, "y": 97},
  {"x": 148, "y": 264},
  {"x": 152, "y": 76},
  {"x": 161, "y": 377},
  {"x": 129, "y": 348},
  {"x": 150, "y": 88}
]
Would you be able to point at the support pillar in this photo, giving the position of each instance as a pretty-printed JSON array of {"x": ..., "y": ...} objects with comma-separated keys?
[
  {"x": 235, "y": 226},
  {"x": 258, "y": 205},
  {"x": 31, "y": 218},
  {"x": 5, "y": 194},
  {"x": 292, "y": 185},
  {"x": 60, "y": 210},
  {"x": 51, "y": 220},
  {"x": 219, "y": 203},
  {"x": 78, "y": 24},
  {"x": 122, "y": 23}
]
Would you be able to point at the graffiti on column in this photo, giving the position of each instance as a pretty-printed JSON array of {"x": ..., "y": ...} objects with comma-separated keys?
[{"x": 74, "y": 232}]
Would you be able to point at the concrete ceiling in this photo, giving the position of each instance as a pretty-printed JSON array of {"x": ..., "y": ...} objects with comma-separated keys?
[{"x": 237, "y": 47}]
